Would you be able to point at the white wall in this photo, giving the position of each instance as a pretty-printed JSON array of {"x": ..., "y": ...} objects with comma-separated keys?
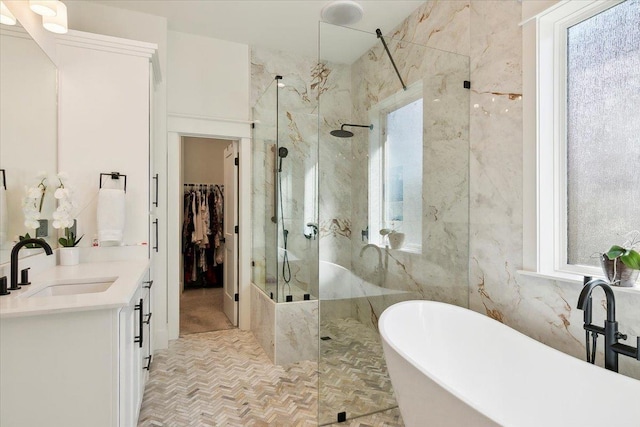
[
  {"x": 100, "y": 19},
  {"x": 208, "y": 77},
  {"x": 104, "y": 127}
]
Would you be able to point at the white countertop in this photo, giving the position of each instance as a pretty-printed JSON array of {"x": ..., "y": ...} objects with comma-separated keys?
[{"x": 127, "y": 274}]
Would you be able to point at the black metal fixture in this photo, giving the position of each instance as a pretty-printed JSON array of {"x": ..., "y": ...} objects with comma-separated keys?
[
  {"x": 156, "y": 246},
  {"x": 14, "y": 257},
  {"x": 314, "y": 231},
  {"x": 612, "y": 348},
  {"x": 140, "y": 309},
  {"x": 384, "y": 43},
  {"x": 282, "y": 153},
  {"x": 341, "y": 133},
  {"x": 3, "y": 286},
  {"x": 116, "y": 176},
  {"x": 24, "y": 277},
  {"x": 155, "y": 203},
  {"x": 4, "y": 178}
]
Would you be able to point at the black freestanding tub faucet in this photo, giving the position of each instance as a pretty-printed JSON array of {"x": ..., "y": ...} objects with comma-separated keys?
[{"x": 612, "y": 348}]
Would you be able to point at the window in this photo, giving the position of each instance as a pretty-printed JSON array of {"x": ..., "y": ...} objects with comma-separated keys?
[
  {"x": 588, "y": 135},
  {"x": 395, "y": 190}
]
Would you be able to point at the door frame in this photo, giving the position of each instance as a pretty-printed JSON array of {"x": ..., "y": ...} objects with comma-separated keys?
[{"x": 179, "y": 125}]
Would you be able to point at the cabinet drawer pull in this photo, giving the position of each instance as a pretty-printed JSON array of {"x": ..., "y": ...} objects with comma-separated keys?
[
  {"x": 156, "y": 225},
  {"x": 149, "y": 284},
  {"x": 148, "y": 362},
  {"x": 146, "y": 322},
  {"x": 140, "y": 338},
  {"x": 156, "y": 201}
]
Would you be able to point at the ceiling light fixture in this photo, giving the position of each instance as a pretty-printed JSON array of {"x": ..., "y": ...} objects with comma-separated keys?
[
  {"x": 43, "y": 7},
  {"x": 342, "y": 12},
  {"x": 58, "y": 23},
  {"x": 6, "y": 17}
]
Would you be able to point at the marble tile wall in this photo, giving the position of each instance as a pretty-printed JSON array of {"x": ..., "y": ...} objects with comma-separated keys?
[
  {"x": 296, "y": 332},
  {"x": 487, "y": 32},
  {"x": 288, "y": 332},
  {"x": 263, "y": 321},
  {"x": 440, "y": 271},
  {"x": 543, "y": 309},
  {"x": 297, "y": 130}
]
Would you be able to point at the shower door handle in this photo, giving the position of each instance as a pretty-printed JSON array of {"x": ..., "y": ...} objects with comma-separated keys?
[{"x": 274, "y": 218}]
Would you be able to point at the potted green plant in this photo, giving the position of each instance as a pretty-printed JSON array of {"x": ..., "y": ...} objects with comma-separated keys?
[{"x": 621, "y": 264}]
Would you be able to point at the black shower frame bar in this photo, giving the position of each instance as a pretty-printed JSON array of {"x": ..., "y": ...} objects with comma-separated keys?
[{"x": 384, "y": 43}]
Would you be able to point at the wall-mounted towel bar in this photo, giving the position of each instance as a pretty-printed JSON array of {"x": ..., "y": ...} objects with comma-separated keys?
[{"x": 114, "y": 175}]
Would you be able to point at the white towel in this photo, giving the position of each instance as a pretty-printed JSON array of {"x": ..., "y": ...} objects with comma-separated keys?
[
  {"x": 4, "y": 217},
  {"x": 111, "y": 216}
]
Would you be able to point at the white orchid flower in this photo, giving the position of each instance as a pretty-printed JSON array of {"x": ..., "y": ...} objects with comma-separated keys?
[
  {"x": 60, "y": 193},
  {"x": 34, "y": 193}
]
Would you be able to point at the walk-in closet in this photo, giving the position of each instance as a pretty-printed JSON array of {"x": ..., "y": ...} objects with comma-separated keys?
[{"x": 203, "y": 247}]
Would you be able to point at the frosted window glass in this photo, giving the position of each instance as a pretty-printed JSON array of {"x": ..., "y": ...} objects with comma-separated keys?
[
  {"x": 403, "y": 172},
  {"x": 603, "y": 131}
]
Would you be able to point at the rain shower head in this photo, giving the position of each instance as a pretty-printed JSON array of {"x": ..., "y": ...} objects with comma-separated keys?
[{"x": 341, "y": 133}]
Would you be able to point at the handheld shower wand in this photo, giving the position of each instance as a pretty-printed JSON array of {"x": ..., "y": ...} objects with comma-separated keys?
[{"x": 282, "y": 153}]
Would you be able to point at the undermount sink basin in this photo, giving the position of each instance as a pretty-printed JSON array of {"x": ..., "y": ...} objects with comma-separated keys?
[{"x": 72, "y": 289}]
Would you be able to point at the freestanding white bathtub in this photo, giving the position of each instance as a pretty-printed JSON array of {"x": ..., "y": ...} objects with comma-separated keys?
[{"x": 450, "y": 366}]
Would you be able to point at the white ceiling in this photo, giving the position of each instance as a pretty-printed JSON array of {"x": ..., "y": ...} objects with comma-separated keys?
[{"x": 287, "y": 25}]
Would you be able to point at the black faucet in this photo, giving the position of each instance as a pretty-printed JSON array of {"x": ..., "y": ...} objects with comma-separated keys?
[
  {"x": 610, "y": 331},
  {"x": 14, "y": 257}
]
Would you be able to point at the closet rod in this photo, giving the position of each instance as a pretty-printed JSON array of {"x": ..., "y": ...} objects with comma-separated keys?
[{"x": 197, "y": 184}]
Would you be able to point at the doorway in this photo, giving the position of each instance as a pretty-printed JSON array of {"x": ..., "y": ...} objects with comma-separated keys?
[{"x": 208, "y": 255}]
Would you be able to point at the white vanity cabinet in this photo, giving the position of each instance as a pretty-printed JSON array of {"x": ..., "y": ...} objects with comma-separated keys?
[
  {"x": 76, "y": 369},
  {"x": 135, "y": 353}
]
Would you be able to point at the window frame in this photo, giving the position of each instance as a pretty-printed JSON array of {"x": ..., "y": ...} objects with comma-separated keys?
[
  {"x": 377, "y": 167},
  {"x": 551, "y": 65}
]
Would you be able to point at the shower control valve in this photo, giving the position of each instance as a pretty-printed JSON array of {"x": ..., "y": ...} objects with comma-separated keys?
[{"x": 314, "y": 231}]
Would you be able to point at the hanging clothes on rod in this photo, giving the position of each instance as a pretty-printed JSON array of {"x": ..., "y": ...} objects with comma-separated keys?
[{"x": 202, "y": 242}]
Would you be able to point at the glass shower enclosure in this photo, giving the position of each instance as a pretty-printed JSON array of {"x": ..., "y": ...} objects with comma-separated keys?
[
  {"x": 285, "y": 225},
  {"x": 394, "y": 198},
  {"x": 360, "y": 197}
]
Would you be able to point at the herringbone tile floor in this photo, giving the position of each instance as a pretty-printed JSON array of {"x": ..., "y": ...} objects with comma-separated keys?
[
  {"x": 224, "y": 378},
  {"x": 353, "y": 372}
]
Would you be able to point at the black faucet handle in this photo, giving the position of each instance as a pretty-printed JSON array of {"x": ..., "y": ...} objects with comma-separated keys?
[
  {"x": 621, "y": 336},
  {"x": 24, "y": 276},
  {"x": 3, "y": 286}
]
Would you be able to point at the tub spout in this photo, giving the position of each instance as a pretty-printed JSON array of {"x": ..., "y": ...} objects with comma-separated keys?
[
  {"x": 585, "y": 298},
  {"x": 381, "y": 268}
]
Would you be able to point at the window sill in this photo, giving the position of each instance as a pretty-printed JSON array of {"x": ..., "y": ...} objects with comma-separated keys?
[{"x": 573, "y": 278}]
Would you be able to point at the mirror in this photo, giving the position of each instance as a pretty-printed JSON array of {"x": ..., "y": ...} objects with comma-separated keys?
[{"x": 28, "y": 134}]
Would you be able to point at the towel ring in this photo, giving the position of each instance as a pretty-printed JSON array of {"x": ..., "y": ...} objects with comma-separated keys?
[{"x": 114, "y": 175}]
